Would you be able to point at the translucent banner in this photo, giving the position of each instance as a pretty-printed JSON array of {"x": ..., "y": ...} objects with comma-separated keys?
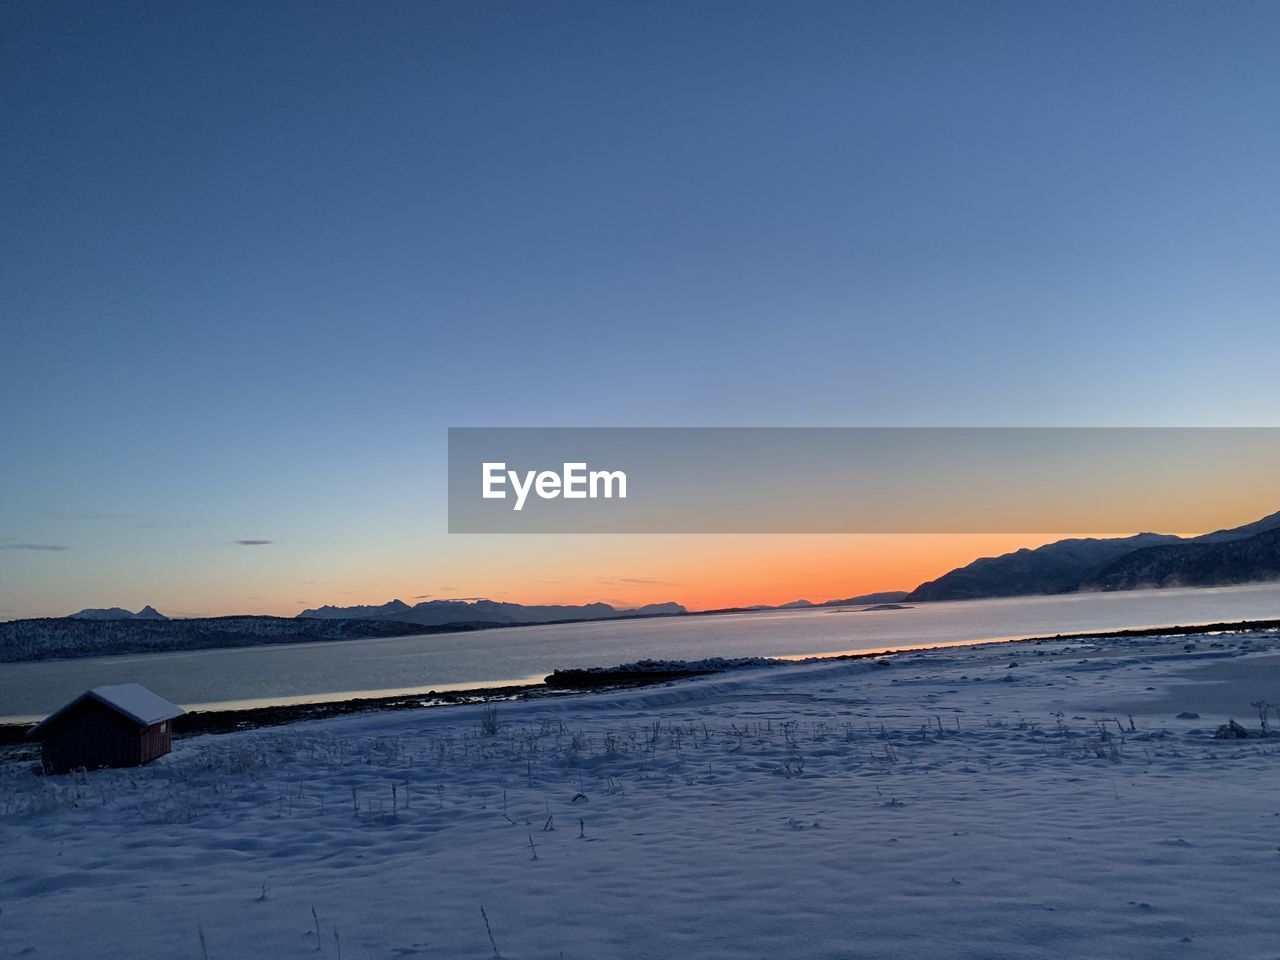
[{"x": 859, "y": 479}]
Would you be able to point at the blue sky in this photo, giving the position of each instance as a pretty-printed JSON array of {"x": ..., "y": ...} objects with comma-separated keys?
[{"x": 255, "y": 260}]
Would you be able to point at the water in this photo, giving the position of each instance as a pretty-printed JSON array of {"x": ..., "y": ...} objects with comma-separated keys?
[{"x": 293, "y": 673}]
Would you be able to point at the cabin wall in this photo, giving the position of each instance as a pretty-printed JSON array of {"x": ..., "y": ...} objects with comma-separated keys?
[
  {"x": 91, "y": 736},
  {"x": 156, "y": 741}
]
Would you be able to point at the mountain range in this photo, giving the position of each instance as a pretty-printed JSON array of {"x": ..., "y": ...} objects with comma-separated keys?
[
  {"x": 1246, "y": 554},
  {"x": 437, "y": 612},
  {"x": 884, "y": 596},
  {"x": 1204, "y": 563},
  {"x": 118, "y": 613}
]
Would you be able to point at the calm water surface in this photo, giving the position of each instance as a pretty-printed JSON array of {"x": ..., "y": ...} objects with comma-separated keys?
[{"x": 290, "y": 673}]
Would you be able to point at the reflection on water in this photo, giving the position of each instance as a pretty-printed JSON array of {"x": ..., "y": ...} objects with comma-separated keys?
[{"x": 310, "y": 672}]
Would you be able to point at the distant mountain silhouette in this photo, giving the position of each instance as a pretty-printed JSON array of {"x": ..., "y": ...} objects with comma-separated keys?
[
  {"x": 118, "y": 613},
  {"x": 884, "y": 596},
  {"x": 1054, "y": 568},
  {"x": 1071, "y": 565},
  {"x": 47, "y": 638},
  {"x": 436, "y": 612},
  {"x": 394, "y": 609}
]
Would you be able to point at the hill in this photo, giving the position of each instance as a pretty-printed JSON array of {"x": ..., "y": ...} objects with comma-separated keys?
[
  {"x": 884, "y": 596},
  {"x": 1067, "y": 566},
  {"x": 1218, "y": 563},
  {"x": 439, "y": 612},
  {"x": 50, "y": 638},
  {"x": 118, "y": 613},
  {"x": 1054, "y": 568}
]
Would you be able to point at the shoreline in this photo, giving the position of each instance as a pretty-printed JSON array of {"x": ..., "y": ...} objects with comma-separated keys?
[
  {"x": 15, "y": 746},
  {"x": 477, "y": 626}
]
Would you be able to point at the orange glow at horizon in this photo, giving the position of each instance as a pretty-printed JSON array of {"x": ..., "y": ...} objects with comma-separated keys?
[{"x": 701, "y": 572}]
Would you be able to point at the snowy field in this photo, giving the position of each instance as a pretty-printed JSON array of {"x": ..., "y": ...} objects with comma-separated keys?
[{"x": 1031, "y": 800}]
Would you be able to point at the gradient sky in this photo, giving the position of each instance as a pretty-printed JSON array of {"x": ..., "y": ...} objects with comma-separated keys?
[{"x": 255, "y": 259}]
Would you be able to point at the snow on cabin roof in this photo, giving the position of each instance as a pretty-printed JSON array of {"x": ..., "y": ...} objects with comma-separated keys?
[
  {"x": 131, "y": 699},
  {"x": 137, "y": 702}
]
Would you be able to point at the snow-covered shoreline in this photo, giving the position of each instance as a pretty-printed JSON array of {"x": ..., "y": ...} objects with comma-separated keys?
[{"x": 1036, "y": 799}]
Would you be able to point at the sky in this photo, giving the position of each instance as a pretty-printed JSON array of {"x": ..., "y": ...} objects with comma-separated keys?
[{"x": 256, "y": 259}]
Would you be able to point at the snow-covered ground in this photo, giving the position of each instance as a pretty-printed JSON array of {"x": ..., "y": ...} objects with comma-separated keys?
[{"x": 948, "y": 804}]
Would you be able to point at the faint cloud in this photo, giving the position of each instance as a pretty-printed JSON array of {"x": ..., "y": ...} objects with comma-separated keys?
[
  {"x": 33, "y": 546},
  {"x": 252, "y": 543},
  {"x": 421, "y": 596}
]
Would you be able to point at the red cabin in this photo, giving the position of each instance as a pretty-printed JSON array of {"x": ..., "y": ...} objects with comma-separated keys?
[{"x": 123, "y": 725}]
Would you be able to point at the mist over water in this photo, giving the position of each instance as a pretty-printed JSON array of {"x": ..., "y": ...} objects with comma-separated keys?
[{"x": 328, "y": 671}]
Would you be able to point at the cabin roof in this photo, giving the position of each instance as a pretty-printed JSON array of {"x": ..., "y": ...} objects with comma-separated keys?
[{"x": 131, "y": 700}]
